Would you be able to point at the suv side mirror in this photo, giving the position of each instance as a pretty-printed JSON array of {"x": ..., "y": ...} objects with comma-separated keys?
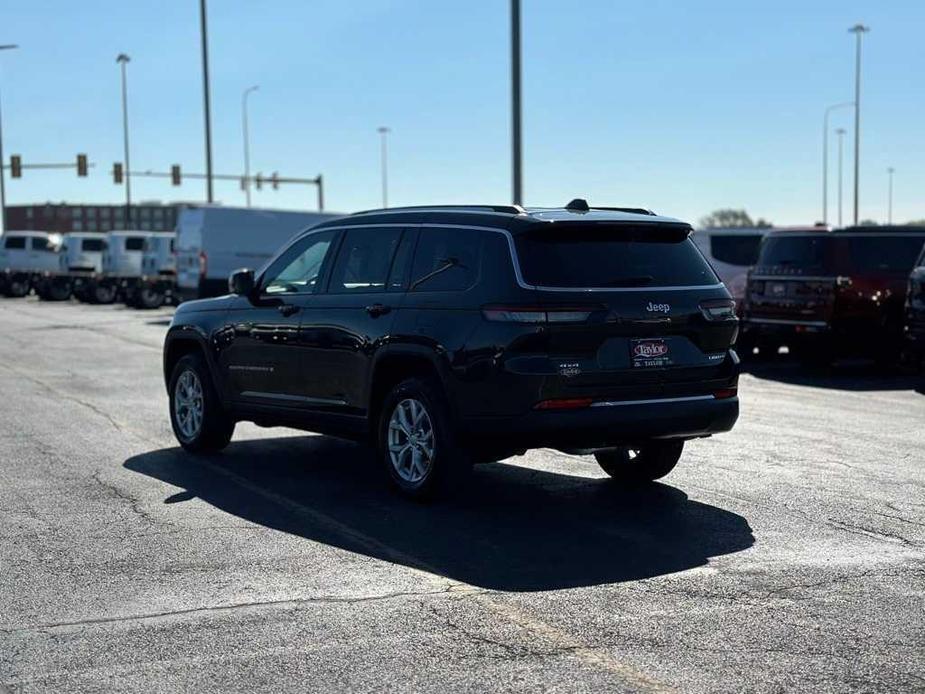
[{"x": 241, "y": 282}]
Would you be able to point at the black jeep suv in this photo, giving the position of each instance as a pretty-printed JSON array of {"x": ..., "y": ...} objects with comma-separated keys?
[{"x": 453, "y": 335}]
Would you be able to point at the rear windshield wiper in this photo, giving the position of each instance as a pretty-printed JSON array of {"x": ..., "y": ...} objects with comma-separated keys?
[{"x": 640, "y": 281}]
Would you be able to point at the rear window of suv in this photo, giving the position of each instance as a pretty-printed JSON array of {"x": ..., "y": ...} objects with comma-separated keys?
[
  {"x": 612, "y": 255},
  {"x": 91, "y": 245},
  {"x": 835, "y": 254},
  {"x": 735, "y": 249}
]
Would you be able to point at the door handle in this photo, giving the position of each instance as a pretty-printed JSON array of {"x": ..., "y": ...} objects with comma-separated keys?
[
  {"x": 287, "y": 309},
  {"x": 377, "y": 310}
]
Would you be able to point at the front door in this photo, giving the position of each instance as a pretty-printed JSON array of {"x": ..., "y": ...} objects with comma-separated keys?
[{"x": 261, "y": 352}]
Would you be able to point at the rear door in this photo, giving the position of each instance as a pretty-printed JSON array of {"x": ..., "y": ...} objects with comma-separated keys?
[
  {"x": 633, "y": 310},
  {"x": 349, "y": 321}
]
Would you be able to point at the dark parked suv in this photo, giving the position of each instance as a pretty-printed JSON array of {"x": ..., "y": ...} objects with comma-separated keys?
[
  {"x": 915, "y": 316},
  {"x": 831, "y": 293},
  {"x": 453, "y": 335}
]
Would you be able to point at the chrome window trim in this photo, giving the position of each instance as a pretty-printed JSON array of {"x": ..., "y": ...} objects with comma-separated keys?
[
  {"x": 775, "y": 278},
  {"x": 785, "y": 321},
  {"x": 652, "y": 401},
  {"x": 515, "y": 260}
]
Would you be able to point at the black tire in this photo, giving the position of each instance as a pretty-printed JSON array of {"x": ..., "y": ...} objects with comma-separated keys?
[
  {"x": 103, "y": 293},
  {"x": 57, "y": 291},
  {"x": 18, "y": 288},
  {"x": 216, "y": 426},
  {"x": 647, "y": 463},
  {"x": 447, "y": 470},
  {"x": 148, "y": 298}
]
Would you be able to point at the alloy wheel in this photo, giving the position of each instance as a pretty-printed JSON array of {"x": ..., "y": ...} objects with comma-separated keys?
[{"x": 412, "y": 445}]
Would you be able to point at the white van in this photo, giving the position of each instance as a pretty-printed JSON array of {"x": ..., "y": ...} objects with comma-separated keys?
[
  {"x": 25, "y": 256},
  {"x": 213, "y": 241},
  {"x": 731, "y": 252},
  {"x": 158, "y": 272},
  {"x": 80, "y": 261}
]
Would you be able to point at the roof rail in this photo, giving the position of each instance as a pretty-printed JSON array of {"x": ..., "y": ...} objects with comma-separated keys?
[
  {"x": 503, "y": 209},
  {"x": 631, "y": 210}
]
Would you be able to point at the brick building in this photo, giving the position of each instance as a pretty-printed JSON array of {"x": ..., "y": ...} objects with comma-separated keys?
[{"x": 64, "y": 217}]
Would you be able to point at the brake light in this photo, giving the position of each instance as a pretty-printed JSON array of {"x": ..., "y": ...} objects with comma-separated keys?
[
  {"x": 203, "y": 263},
  {"x": 718, "y": 309},
  {"x": 725, "y": 393},
  {"x": 538, "y": 314},
  {"x": 564, "y": 404}
]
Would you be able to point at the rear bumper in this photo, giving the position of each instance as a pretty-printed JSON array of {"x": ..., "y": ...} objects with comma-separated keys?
[{"x": 609, "y": 423}]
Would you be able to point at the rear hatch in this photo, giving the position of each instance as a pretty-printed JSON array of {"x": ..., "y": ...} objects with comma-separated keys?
[{"x": 634, "y": 311}]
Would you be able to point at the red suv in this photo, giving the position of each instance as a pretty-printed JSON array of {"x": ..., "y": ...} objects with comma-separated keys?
[{"x": 831, "y": 293}]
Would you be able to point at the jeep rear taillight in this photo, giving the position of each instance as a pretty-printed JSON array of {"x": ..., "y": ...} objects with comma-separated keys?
[
  {"x": 718, "y": 309},
  {"x": 538, "y": 314}
]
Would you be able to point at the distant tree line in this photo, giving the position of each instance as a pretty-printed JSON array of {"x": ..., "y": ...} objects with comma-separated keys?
[{"x": 733, "y": 219}]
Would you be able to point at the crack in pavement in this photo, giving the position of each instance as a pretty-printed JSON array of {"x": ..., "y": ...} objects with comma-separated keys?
[
  {"x": 453, "y": 588},
  {"x": 114, "y": 492}
]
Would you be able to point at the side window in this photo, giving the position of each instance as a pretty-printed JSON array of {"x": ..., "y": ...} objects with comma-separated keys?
[
  {"x": 15, "y": 242},
  {"x": 364, "y": 260},
  {"x": 446, "y": 260},
  {"x": 40, "y": 244},
  {"x": 298, "y": 269},
  {"x": 135, "y": 243}
]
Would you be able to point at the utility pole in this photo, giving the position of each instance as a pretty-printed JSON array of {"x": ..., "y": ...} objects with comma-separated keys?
[
  {"x": 7, "y": 47},
  {"x": 858, "y": 30},
  {"x": 205, "y": 96},
  {"x": 825, "y": 157},
  {"x": 123, "y": 60},
  {"x": 841, "y": 141},
  {"x": 247, "y": 147},
  {"x": 517, "y": 152},
  {"x": 384, "y": 161},
  {"x": 889, "y": 218}
]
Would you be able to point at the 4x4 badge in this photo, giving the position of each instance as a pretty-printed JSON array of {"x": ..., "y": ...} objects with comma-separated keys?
[{"x": 569, "y": 369}]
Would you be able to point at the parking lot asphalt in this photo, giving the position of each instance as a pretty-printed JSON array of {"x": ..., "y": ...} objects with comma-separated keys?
[{"x": 786, "y": 555}]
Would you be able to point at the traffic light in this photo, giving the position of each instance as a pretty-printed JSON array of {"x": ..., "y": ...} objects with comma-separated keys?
[
  {"x": 175, "y": 174},
  {"x": 258, "y": 181},
  {"x": 15, "y": 166},
  {"x": 275, "y": 180},
  {"x": 117, "y": 173},
  {"x": 81, "y": 164}
]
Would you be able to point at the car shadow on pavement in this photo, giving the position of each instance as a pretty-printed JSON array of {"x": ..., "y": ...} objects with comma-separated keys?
[
  {"x": 853, "y": 375},
  {"x": 515, "y": 528}
]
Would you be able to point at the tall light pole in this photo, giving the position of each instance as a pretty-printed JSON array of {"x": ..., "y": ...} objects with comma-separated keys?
[
  {"x": 205, "y": 95},
  {"x": 7, "y": 47},
  {"x": 825, "y": 157},
  {"x": 123, "y": 60},
  {"x": 384, "y": 162},
  {"x": 858, "y": 30},
  {"x": 247, "y": 144},
  {"x": 516, "y": 150},
  {"x": 841, "y": 141},
  {"x": 889, "y": 207}
]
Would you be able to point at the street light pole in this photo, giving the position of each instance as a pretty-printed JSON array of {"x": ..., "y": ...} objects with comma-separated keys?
[
  {"x": 858, "y": 30},
  {"x": 517, "y": 152},
  {"x": 384, "y": 162},
  {"x": 841, "y": 140},
  {"x": 205, "y": 96},
  {"x": 247, "y": 146},
  {"x": 123, "y": 60},
  {"x": 7, "y": 47},
  {"x": 825, "y": 157},
  {"x": 889, "y": 218}
]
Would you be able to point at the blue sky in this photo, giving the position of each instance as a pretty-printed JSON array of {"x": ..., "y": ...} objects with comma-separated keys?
[{"x": 682, "y": 107}]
